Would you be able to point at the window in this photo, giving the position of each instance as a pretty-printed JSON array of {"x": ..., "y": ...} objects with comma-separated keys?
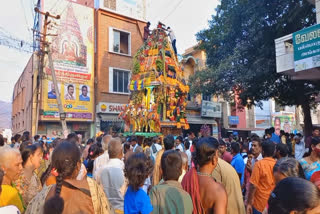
[
  {"x": 118, "y": 80},
  {"x": 119, "y": 41}
]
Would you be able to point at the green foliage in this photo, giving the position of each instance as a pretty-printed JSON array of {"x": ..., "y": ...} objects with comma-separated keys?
[
  {"x": 136, "y": 67},
  {"x": 241, "y": 51}
]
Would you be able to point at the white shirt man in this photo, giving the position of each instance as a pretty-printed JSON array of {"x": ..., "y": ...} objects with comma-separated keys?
[
  {"x": 112, "y": 176},
  {"x": 254, "y": 160},
  {"x": 299, "y": 148},
  {"x": 171, "y": 34},
  {"x": 113, "y": 182},
  {"x": 155, "y": 148},
  {"x": 103, "y": 159}
]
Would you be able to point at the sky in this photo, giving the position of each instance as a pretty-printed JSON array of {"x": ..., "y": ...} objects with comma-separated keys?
[{"x": 185, "y": 17}]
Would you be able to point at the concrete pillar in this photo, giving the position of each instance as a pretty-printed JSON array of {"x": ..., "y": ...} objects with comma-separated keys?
[
  {"x": 225, "y": 114},
  {"x": 318, "y": 11}
]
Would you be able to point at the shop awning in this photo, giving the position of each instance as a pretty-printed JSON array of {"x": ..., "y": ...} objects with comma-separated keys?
[
  {"x": 110, "y": 118},
  {"x": 245, "y": 129},
  {"x": 200, "y": 120}
]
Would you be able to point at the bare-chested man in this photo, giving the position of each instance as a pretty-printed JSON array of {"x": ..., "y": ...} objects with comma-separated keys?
[{"x": 207, "y": 195}]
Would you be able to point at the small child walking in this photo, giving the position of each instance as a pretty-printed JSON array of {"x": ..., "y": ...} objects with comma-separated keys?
[{"x": 137, "y": 169}]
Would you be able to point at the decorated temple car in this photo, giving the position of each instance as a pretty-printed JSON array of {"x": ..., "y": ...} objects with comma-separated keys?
[{"x": 158, "y": 89}]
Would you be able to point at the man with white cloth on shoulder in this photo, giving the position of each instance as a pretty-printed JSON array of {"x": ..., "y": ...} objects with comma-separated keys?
[
  {"x": 112, "y": 176},
  {"x": 103, "y": 159}
]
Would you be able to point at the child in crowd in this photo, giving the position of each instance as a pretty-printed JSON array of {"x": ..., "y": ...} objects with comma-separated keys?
[
  {"x": 137, "y": 169},
  {"x": 247, "y": 175},
  {"x": 93, "y": 152}
]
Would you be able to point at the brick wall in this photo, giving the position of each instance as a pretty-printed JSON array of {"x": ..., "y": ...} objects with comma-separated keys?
[{"x": 106, "y": 59}]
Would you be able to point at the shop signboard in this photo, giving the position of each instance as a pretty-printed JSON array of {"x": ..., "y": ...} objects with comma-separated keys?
[
  {"x": 73, "y": 58},
  {"x": 110, "y": 108},
  {"x": 306, "y": 45},
  {"x": 233, "y": 120},
  {"x": 211, "y": 109}
]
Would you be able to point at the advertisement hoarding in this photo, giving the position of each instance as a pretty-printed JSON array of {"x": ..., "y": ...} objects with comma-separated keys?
[
  {"x": 306, "y": 45},
  {"x": 73, "y": 59},
  {"x": 284, "y": 122},
  {"x": 211, "y": 109}
]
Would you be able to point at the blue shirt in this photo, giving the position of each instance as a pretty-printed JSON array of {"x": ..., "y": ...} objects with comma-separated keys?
[
  {"x": 51, "y": 95},
  {"x": 137, "y": 202},
  {"x": 238, "y": 164},
  {"x": 83, "y": 98},
  {"x": 275, "y": 138}
]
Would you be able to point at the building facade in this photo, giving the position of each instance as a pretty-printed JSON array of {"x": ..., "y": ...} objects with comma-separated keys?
[
  {"x": 201, "y": 110},
  {"x": 222, "y": 117},
  {"x": 22, "y": 101},
  {"x": 118, "y": 37}
]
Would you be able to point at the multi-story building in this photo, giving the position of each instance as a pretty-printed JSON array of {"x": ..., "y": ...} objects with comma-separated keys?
[
  {"x": 118, "y": 37},
  {"x": 22, "y": 99},
  {"x": 92, "y": 56},
  {"x": 214, "y": 111},
  {"x": 35, "y": 106},
  {"x": 201, "y": 110}
]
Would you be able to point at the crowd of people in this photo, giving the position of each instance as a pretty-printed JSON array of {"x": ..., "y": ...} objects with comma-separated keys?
[{"x": 276, "y": 174}]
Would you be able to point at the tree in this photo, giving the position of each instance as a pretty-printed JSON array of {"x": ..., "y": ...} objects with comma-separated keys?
[{"x": 241, "y": 53}]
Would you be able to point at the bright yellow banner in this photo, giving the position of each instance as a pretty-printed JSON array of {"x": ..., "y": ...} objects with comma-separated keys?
[{"x": 73, "y": 59}]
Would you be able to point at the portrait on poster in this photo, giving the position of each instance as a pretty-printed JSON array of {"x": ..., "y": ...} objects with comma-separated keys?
[
  {"x": 84, "y": 93},
  {"x": 69, "y": 91},
  {"x": 51, "y": 90}
]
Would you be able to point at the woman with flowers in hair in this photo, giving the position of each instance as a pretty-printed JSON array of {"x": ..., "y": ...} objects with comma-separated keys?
[{"x": 59, "y": 198}]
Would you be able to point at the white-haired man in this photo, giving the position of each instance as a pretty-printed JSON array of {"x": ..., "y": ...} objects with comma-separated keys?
[
  {"x": 112, "y": 176},
  {"x": 103, "y": 159}
]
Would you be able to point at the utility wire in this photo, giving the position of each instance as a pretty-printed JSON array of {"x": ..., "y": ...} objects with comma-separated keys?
[
  {"x": 177, "y": 5},
  {"x": 55, "y": 4},
  {"x": 25, "y": 17},
  {"x": 158, "y": 15}
]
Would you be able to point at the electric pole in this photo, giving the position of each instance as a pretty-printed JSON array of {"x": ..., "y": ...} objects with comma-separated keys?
[{"x": 45, "y": 49}]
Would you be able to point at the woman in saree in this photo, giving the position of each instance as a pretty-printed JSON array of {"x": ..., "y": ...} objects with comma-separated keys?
[{"x": 59, "y": 197}]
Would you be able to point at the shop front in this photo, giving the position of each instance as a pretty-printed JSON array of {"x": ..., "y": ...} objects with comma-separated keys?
[
  {"x": 107, "y": 119},
  {"x": 54, "y": 129},
  {"x": 208, "y": 117}
]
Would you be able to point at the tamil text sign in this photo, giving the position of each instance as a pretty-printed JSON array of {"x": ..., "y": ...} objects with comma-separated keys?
[{"x": 306, "y": 44}]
